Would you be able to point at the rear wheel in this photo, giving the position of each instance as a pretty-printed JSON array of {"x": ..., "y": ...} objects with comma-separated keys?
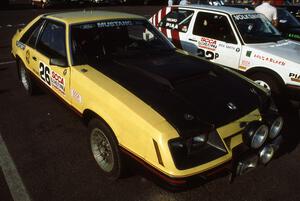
[
  {"x": 26, "y": 80},
  {"x": 105, "y": 149}
]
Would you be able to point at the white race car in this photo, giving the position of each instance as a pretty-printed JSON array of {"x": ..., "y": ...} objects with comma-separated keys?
[{"x": 243, "y": 40}]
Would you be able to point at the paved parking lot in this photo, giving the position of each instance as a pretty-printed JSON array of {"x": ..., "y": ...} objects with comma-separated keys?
[{"x": 48, "y": 156}]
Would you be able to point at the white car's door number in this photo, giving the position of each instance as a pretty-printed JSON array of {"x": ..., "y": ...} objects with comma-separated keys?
[{"x": 207, "y": 54}]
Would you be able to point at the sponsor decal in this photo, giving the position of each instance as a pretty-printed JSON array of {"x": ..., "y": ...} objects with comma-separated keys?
[
  {"x": 20, "y": 45},
  {"x": 295, "y": 77},
  {"x": 295, "y": 36},
  {"x": 269, "y": 59},
  {"x": 76, "y": 95},
  {"x": 227, "y": 46},
  {"x": 245, "y": 63},
  {"x": 51, "y": 78},
  {"x": 242, "y": 67},
  {"x": 184, "y": 29},
  {"x": 207, "y": 43},
  {"x": 171, "y": 25},
  {"x": 246, "y": 16},
  {"x": 248, "y": 53},
  {"x": 114, "y": 24},
  {"x": 58, "y": 82},
  {"x": 172, "y": 20}
]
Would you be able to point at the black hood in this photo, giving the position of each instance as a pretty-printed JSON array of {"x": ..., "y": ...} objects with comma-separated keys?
[{"x": 193, "y": 95}]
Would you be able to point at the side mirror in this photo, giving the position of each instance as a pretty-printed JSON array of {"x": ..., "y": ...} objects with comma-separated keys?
[{"x": 62, "y": 62}]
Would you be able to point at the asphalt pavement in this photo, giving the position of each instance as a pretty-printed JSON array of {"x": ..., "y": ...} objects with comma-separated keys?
[{"x": 48, "y": 155}]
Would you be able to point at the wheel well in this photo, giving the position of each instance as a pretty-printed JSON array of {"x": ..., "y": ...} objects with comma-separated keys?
[
  {"x": 88, "y": 115},
  {"x": 265, "y": 71}
]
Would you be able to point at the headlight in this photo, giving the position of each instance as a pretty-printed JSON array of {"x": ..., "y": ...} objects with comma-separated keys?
[
  {"x": 255, "y": 134},
  {"x": 276, "y": 127},
  {"x": 196, "y": 150},
  {"x": 197, "y": 142}
]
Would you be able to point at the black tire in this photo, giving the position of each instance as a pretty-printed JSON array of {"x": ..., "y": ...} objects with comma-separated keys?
[
  {"x": 272, "y": 82},
  {"x": 26, "y": 80},
  {"x": 110, "y": 160}
]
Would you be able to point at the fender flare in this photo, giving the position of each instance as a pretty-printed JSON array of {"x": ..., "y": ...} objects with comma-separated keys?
[
  {"x": 89, "y": 114},
  {"x": 260, "y": 69}
]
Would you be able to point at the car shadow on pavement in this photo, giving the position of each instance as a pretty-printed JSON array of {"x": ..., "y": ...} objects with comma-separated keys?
[{"x": 290, "y": 132}]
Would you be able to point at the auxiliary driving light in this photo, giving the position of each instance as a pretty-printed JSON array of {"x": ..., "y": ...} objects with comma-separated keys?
[
  {"x": 255, "y": 134},
  {"x": 276, "y": 127},
  {"x": 266, "y": 154}
]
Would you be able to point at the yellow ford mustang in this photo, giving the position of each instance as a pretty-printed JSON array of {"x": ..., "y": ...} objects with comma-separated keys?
[{"x": 178, "y": 115}]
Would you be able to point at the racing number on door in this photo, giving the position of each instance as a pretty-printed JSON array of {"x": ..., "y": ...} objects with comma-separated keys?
[
  {"x": 45, "y": 73},
  {"x": 207, "y": 54}
]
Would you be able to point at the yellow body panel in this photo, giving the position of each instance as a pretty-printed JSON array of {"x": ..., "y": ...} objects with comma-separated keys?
[{"x": 134, "y": 123}]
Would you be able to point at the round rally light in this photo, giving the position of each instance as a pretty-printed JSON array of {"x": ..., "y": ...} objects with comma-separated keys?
[
  {"x": 260, "y": 136},
  {"x": 276, "y": 127},
  {"x": 266, "y": 154},
  {"x": 255, "y": 134}
]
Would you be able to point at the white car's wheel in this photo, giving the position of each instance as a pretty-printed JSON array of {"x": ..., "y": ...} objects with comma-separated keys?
[
  {"x": 263, "y": 84},
  {"x": 267, "y": 81}
]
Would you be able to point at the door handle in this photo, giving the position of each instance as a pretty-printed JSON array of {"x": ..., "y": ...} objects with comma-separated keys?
[
  {"x": 34, "y": 58},
  {"x": 191, "y": 39}
]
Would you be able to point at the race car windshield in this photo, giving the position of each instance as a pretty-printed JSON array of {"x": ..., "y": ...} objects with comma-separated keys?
[
  {"x": 105, "y": 40},
  {"x": 256, "y": 28}
]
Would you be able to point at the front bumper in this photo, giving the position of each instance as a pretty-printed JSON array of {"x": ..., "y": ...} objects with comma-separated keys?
[{"x": 243, "y": 160}]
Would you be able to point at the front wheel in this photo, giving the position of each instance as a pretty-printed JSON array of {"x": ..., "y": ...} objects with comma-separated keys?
[
  {"x": 104, "y": 146},
  {"x": 268, "y": 82}
]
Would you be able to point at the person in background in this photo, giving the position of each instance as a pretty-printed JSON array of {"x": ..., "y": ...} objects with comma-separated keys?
[
  {"x": 170, "y": 2},
  {"x": 269, "y": 11},
  {"x": 184, "y": 2}
]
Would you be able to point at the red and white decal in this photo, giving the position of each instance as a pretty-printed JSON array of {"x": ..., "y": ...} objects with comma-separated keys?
[
  {"x": 208, "y": 43},
  {"x": 76, "y": 95},
  {"x": 269, "y": 59},
  {"x": 58, "y": 82},
  {"x": 245, "y": 63}
]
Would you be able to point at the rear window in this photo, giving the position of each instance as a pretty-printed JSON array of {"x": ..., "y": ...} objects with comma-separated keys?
[{"x": 177, "y": 20}]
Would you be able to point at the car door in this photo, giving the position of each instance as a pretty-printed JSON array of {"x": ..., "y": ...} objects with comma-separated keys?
[
  {"x": 175, "y": 26},
  {"x": 213, "y": 38},
  {"x": 51, "y": 58}
]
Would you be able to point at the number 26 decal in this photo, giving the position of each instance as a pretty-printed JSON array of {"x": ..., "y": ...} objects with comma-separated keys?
[
  {"x": 45, "y": 73},
  {"x": 207, "y": 54}
]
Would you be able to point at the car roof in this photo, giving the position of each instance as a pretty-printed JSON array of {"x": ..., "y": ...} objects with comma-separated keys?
[
  {"x": 74, "y": 17},
  {"x": 223, "y": 9}
]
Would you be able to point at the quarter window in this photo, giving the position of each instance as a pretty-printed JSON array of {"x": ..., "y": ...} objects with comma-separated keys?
[
  {"x": 177, "y": 20},
  {"x": 52, "y": 42},
  {"x": 31, "y": 34},
  {"x": 214, "y": 26}
]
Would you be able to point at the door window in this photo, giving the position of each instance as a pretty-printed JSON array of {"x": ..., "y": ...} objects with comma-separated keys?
[
  {"x": 52, "y": 42},
  {"x": 214, "y": 26},
  {"x": 177, "y": 20}
]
